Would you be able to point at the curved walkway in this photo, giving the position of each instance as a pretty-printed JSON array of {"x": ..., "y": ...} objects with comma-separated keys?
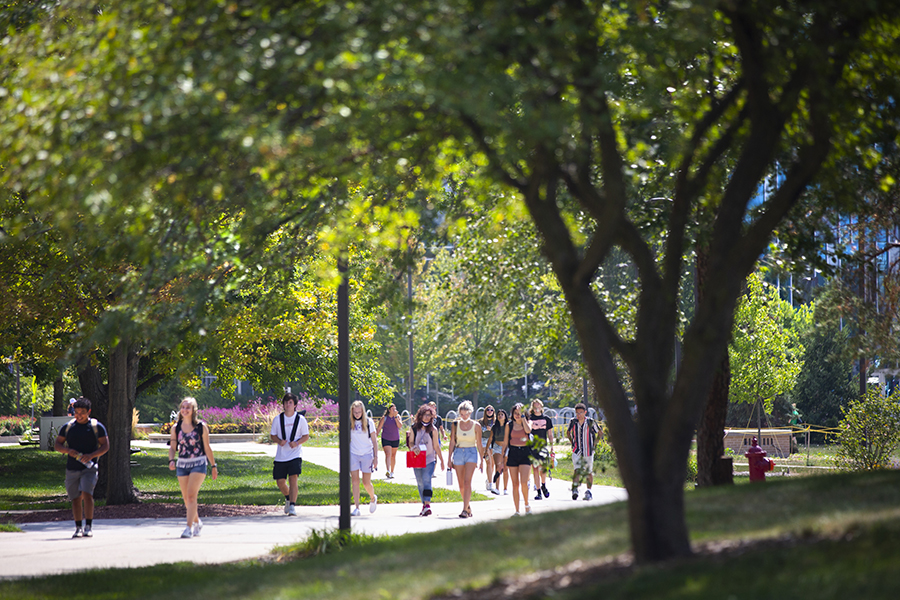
[{"x": 48, "y": 548}]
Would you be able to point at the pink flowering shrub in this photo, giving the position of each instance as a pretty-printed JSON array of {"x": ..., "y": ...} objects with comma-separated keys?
[{"x": 256, "y": 416}]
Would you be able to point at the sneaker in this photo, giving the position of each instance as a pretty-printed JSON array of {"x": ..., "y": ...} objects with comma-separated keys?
[
  {"x": 574, "y": 494},
  {"x": 495, "y": 491},
  {"x": 545, "y": 491},
  {"x": 487, "y": 484},
  {"x": 517, "y": 514},
  {"x": 292, "y": 511},
  {"x": 527, "y": 510},
  {"x": 388, "y": 475},
  {"x": 197, "y": 527},
  {"x": 355, "y": 513},
  {"x": 287, "y": 507},
  {"x": 79, "y": 532},
  {"x": 373, "y": 504},
  {"x": 506, "y": 492},
  {"x": 538, "y": 496},
  {"x": 187, "y": 532},
  {"x": 88, "y": 532},
  {"x": 588, "y": 495},
  {"x": 426, "y": 511}
]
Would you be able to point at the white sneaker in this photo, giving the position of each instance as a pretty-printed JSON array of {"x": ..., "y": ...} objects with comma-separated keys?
[
  {"x": 187, "y": 532},
  {"x": 292, "y": 511},
  {"x": 197, "y": 527},
  {"x": 373, "y": 504},
  {"x": 488, "y": 485},
  {"x": 527, "y": 510},
  {"x": 355, "y": 512},
  {"x": 506, "y": 492},
  {"x": 588, "y": 495},
  {"x": 287, "y": 507}
]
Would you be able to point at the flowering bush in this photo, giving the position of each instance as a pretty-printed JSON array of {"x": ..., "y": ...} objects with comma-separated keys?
[
  {"x": 257, "y": 417},
  {"x": 15, "y": 425}
]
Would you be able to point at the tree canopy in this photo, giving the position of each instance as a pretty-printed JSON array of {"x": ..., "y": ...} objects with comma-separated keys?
[{"x": 190, "y": 132}]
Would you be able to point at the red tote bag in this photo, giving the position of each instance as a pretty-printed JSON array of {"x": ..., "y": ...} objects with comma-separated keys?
[{"x": 414, "y": 461}]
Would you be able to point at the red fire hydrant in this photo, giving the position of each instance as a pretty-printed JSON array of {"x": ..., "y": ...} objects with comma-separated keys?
[{"x": 759, "y": 464}]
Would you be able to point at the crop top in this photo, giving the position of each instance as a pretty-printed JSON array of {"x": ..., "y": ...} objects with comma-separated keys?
[
  {"x": 517, "y": 437},
  {"x": 466, "y": 439}
]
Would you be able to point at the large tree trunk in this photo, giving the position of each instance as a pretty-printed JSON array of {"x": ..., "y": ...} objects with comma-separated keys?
[
  {"x": 122, "y": 383},
  {"x": 712, "y": 467},
  {"x": 60, "y": 404}
]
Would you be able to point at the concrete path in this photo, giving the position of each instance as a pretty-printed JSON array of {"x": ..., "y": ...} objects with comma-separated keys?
[{"x": 48, "y": 548}]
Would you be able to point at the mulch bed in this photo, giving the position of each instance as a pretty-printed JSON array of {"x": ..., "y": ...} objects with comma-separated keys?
[{"x": 141, "y": 511}]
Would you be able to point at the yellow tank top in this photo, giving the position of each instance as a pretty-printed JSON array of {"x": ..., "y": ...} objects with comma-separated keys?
[{"x": 466, "y": 439}]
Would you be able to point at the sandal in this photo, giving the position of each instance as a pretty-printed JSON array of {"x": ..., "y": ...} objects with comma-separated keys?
[
  {"x": 469, "y": 510},
  {"x": 463, "y": 514}
]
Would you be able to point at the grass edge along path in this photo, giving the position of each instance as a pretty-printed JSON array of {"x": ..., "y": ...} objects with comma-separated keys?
[{"x": 854, "y": 518}]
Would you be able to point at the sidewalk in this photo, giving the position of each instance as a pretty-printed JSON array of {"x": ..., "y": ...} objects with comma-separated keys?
[{"x": 48, "y": 548}]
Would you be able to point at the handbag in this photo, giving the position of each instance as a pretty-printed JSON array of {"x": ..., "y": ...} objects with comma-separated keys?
[
  {"x": 449, "y": 476},
  {"x": 415, "y": 461}
]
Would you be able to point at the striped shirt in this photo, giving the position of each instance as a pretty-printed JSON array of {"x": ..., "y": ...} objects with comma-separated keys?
[{"x": 583, "y": 436}]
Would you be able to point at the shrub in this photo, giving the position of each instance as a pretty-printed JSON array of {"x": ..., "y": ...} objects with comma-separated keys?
[
  {"x": 869, "y": 432},
  {"x": 19, "y": 425}
]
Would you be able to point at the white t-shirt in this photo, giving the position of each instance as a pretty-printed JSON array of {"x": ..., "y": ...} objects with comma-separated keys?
[
  {"x": 360, "y": 441},
  {"x": 286, "y": 453}
]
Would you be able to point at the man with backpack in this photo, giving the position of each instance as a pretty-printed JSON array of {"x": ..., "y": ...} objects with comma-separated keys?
[
  {"x": 83, "y": 440},
  {"x": 289, "y": 431},
  {"x": 583, "y": 432}
]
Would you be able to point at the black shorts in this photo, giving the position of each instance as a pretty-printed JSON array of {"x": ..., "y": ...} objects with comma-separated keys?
[
  {"x": 390, "y": 443},
  {"x": 281, "y": 470},
  {"x": 518, "y": 456}
]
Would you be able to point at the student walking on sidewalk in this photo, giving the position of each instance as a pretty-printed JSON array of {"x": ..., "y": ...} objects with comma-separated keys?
[
  {"x": 190, "y": 438},
  {"x": 389, "y": 426},
  {"x": 423, "y": 437},
  {"x": 519, "y": 459},
  {"x": 363, "y": 454},
  {"x": 290, "y": 431},
  {"x": 465, "y": 450}
]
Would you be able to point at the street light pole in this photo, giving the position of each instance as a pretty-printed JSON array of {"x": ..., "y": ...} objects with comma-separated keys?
[
  {"x": 343, "y": 314},
  {"x": 409, "y": 396}
]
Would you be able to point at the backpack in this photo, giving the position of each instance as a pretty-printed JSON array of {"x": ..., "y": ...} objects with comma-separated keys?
[
  {"x": 293, "y": 429},
  {"x": 178, "y": 429}
]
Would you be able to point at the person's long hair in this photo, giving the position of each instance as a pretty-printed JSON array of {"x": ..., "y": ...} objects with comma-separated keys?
[
  {"x": 419, "y": 423},
  {"x": 195, "y": 418},
  {"x": 364, "y": 418},
  {"x": 485, "y": 420},
  {"x": 498, "y": 426}
]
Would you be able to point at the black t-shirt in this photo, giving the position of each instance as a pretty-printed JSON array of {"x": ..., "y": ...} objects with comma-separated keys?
[
  {"x": 81, "y": 438},
  {"x": 540, "y": 425}
]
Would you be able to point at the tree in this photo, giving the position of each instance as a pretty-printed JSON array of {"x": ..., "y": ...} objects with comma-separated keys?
[
  {"x": 823, "y": 385},
  {"x": 870, "y": 432},
  {"x": 235, "y": 121},
  {"x": 765, "y": 354}
]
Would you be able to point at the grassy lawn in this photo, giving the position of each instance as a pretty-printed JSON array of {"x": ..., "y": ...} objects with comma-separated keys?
[
  {"x": 860, "y": 511},
  {"x": 33, "y": 479}
]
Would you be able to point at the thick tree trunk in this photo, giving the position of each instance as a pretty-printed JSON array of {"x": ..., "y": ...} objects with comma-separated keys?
[
  {"x": 122, "y": 369},
  {"x": 60, "y": 404},
  {"x": 712, "y": 467},
  {"x": 656, "y": 517}
]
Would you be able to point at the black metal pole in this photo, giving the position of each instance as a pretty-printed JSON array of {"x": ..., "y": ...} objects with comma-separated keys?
[
  {"x": 409, "y": 397},
  {"x": 343, "y": 315}
]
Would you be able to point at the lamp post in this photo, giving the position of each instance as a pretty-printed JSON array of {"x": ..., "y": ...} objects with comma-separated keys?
[{"x": 343, "y": 314}]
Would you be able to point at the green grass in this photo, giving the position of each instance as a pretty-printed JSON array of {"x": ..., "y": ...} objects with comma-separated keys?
[
  {"x": 33, "y": 479},
  {"x": 9, "y": 528},
  {"x": 862, "y": 510}
]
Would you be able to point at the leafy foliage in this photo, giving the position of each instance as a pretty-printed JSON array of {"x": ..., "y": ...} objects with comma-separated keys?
[
  {"x": 824, "y": 385},
  {"x": 870, "y": 432}
]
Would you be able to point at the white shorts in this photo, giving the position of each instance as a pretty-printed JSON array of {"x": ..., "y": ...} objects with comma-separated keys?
[
  {"x": 361, "y": 462},
  {"x": 585, "y": 463}
]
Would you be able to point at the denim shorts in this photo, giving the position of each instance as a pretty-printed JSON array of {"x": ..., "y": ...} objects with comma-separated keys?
[
  {"x": 185, "y": 471},
  {"x": 496, "y": 449},
  {"x": 462, "y": 456}
]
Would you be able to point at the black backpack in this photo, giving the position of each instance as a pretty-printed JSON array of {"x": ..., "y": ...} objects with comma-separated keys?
[{"x": 293, "y": 429}]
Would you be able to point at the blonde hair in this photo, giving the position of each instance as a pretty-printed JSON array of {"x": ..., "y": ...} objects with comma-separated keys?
[
  {"x": 465, "y": 405},
  {"x": 365, "y": 417},
  {"x": 194, "y": 410}
]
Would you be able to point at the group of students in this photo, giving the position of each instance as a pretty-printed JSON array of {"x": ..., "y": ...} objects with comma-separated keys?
[
  {"x": 513, "y": 446},
  {"x": 501, "y": 441}
]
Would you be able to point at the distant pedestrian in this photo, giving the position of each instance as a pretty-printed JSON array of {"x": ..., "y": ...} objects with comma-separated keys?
[
  {"x": 465, "y": 451},
  {"x": 389, "y": 426},
  {"x": 584, "y": 433},
  {"x": 423, "y": 437},
  {"x": 190, "y": 438},
  {"x": 518, "y": 461},
  {"x": 542, "y": 429},
  {"x": 363, "y": 455},
  {"x": 487, "y": 422},
  {"x": 71, "y": 410},
  {"x": 83, "y": 440},
  {"x": 438, "y": 421},
  {"x": 497, "y": 447},
  {"x": 290, "y": 431}
]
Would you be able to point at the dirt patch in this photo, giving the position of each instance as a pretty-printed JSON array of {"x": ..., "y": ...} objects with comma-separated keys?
[{"x": 143, "y": 510}]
